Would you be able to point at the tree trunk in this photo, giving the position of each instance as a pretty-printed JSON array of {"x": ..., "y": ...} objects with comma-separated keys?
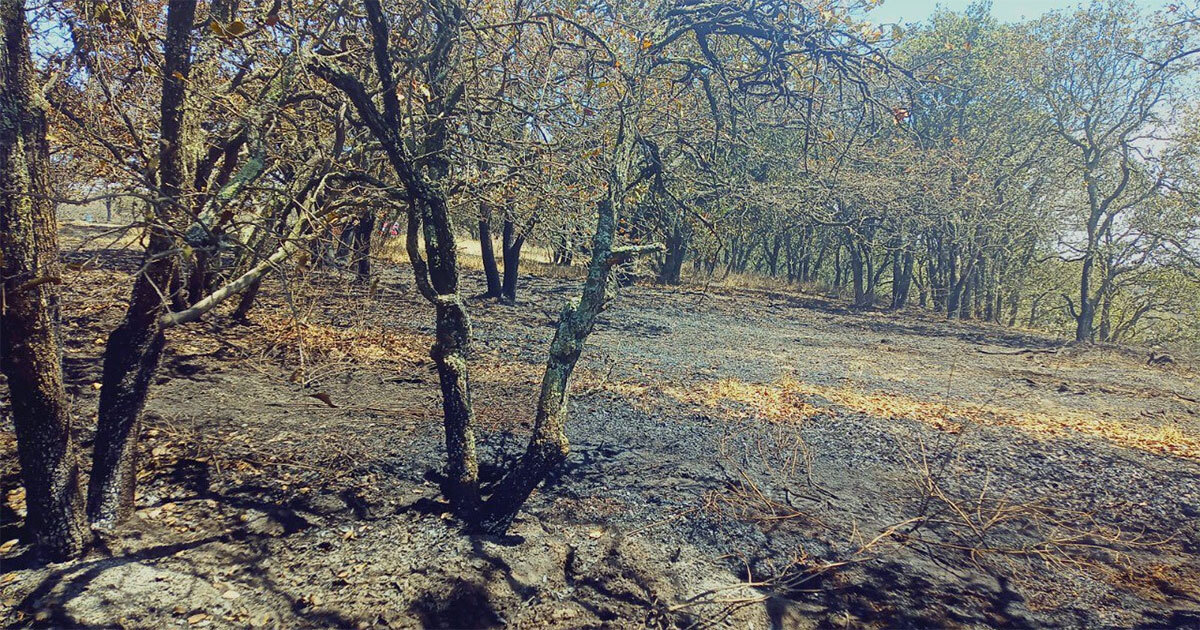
[
  {"x": 177, "y": 290},
  {"x": 814, "y": 271},
  {"x": 30, "y": 344},
  {"x": 1014, "y": 306},
  {"x": 437, "y": 277},
  {"x": 772, "y": 254},
  {"x": 902, "y": 273},
  {"x": 1105, "y": 317},
  {"x": 672, "y": 265},
  {"x": 548, "y": 447},
  {"x": 487, "y": 251},
  {"x": 362, "y": 247},
  {"x": 860, "y": 276},
  {"x": 966, "y": 296},
  {"x": 1084, "y": 330},
  {"x": 511, "y": 244},
  {"x": 838, "y": 276},
  {"x": 201, "y": 277},
  {"x": 246, "y": 302},
  {"x": 933, "y": 277},
  {"x": 344, "y": 242},
  {"x": 1085, "y": 316},
  {"x": 135, "y": 346},
  {"x": 958, "y": 303}
]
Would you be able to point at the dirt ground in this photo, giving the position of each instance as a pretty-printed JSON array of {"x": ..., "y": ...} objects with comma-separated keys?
[{"x": 740, "y": 459}]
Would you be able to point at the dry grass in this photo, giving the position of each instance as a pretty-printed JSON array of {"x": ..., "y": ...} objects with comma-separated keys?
[
  {"x": 534, "y": 260},
  {"x": 732, "y": 280},
  {"x": 335, "y": 342},
  {"x": 1154, "y": 581},
  {"x": 768, "y": 402},
  {"x": 787, "y": 400},
  {"x": 791, "y": 400}
]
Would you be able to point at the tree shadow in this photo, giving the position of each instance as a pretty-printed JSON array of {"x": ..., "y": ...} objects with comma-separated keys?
[
  {"x": 961, "y": 332},
  {"x": 466, "y": 605},
  {"x": 49, "y": 600}
]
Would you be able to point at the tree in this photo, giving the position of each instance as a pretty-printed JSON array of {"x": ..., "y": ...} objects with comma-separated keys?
[
  {"x": 30, "y": 340},
  {"x": 418, "y": 143},
  {"x": 135, "y": 347},
  {"x": 1106, "y": 94},
  {"x": 195, "y": 176}
]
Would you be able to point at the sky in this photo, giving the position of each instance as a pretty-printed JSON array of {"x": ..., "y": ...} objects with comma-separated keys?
[{"x": 1005, "y": 10}]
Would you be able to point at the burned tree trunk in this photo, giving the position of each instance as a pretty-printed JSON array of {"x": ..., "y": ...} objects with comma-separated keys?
[
  {"x": 436, "y": 272},
  {"x": 677, "y": 245},
  {"x": 362, "y": 247},
  {"x": 30, "y": 344},
  {"x": 902, "y": 277},
  {"x": 860, "y": 271},
  {"x": 512, "y": 244},
  {"x": 487, "y": 251},
  {"x": 135, "y": 346},
  {"x": 344, "y": 242},
  {"x": 548, "y": 447},
  {"x": 200, "y": 278}
]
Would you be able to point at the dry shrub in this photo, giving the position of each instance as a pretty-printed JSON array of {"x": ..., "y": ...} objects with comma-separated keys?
[
  {"x": 1022, "y": 539},
  {"x": 782, "y": 456}
]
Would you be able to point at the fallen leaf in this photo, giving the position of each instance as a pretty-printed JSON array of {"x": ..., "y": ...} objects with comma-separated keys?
[
  {"x": 7, "y": 547},
  {"x": 196, "y": 618}
]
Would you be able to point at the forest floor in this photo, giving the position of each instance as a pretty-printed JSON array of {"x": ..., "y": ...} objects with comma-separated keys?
[{"x": 739, "y": 458}]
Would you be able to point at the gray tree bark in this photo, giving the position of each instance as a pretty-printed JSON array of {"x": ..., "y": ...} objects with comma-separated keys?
[
  {"x": 30, "y": 341},
  {"x": 135, "y": 347}
]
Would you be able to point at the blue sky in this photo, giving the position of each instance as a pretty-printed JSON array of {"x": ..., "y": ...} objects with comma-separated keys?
[{"x": 1005, "y": 10}]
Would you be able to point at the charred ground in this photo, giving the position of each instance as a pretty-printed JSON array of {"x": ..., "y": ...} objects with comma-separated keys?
[{"x": 757, "y": 459}]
